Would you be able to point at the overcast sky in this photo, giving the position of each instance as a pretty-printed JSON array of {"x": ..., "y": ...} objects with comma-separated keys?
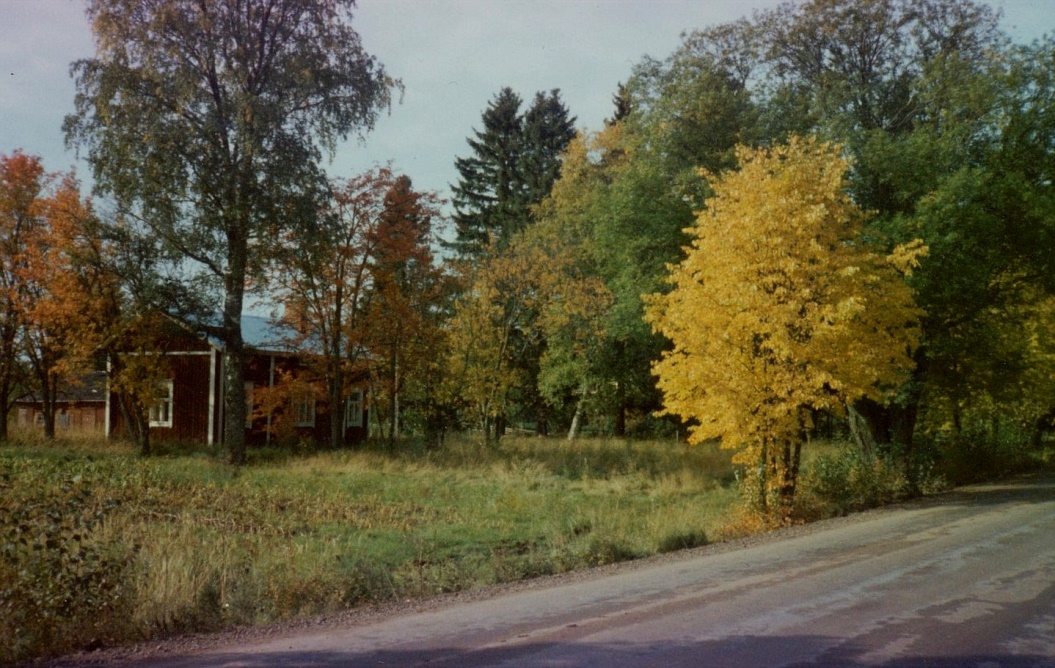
[{"x": 452, "y": 55}]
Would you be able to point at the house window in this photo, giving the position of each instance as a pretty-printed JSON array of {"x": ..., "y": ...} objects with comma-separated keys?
[
  {"x": 249, "y": 404},
  {"x": 304, "y": 410},
  {"x": 62, "y": 420},
  {"x": 160, "y": 413},
  {"x": 353, "y": 409}
]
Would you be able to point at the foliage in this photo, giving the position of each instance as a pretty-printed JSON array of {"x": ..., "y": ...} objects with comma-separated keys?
[
  {"x": 362, "y": 291},
  {"x": 849, "y": 480},
  {"x": 206, "y": 124},
  {"x": 622, "y": 223},
  {"x": 62, "y": 585},
  {"x": 22, "y": 184},
  {"x": 60, "y": 298},
  {"x": 410, "y": 299},
  {"x": 533, "y": 296},
  {"x": 779, "y": 310},
  {"x": 71, "y": 297},
  {"x": 490, "y": 334}
]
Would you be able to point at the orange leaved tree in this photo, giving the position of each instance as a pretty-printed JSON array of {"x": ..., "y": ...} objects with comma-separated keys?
[
  {"x": 360, "y": 290},
  {"x": 71, "y": 298},
  {"x": 22, "y": 182},
  {"x": 781, "y": 309}
]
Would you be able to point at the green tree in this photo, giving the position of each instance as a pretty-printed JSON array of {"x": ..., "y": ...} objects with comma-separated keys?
[
  {"x": 514, "y": 161},
  {"x": 206, "y": 123},
  {"x": 547, "y": 131},
  {"x": 622, "y": 222},
  {"x": 533, "y": 296},
  {"x": 780, "y": 310}
]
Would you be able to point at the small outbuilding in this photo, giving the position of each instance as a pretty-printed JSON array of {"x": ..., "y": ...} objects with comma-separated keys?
[{"x": 80, "y": 408}]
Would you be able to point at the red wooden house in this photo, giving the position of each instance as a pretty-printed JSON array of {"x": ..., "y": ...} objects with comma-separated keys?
[
  {"x": 189, "y": 405},
  {"x": 80, "y": 408}
]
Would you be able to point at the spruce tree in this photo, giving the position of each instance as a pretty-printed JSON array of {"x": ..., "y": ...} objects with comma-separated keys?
[
  {"x": 547, "y": 132},
  {"x": 488, "y": 198},
  {"x": 515, "y": 160}
]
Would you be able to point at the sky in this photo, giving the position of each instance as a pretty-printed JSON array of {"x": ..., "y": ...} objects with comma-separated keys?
[{"x": 453, "y": 56}]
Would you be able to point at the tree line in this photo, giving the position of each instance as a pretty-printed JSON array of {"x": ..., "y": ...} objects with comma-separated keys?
[
  {"x": 869, "y": 182},
  {"x": 916, "y": 133}
]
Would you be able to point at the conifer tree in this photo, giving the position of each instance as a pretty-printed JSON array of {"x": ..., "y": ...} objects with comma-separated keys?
[{"x": 516, "y": 159}]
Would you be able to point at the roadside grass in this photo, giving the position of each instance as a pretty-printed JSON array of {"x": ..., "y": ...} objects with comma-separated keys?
[{"x": 103, "y": 547}]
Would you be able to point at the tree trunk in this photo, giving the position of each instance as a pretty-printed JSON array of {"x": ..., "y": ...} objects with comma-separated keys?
[
  {"x": 5, "y": 408},
  {"x": 234, "y": 371},
  {"x": 393, "y": 401},
  {"x": 336, "y": 411},
  {"x": 1040, "y": 427},
  {"x": 573, "y": 430},
  {"x": 620, "y": 394},
  {"x": 620, "y": 409},
  {"x": 860, "y": 431},
  {"x": 541, "y": 420},
  {"x": 48, "y": 393}
]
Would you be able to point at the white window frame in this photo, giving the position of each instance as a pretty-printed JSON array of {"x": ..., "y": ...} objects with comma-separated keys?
[
  {"x": 304, "y": 410},
  {"x": 353, "y": 409},
  {"x": 160, "y": 412}
]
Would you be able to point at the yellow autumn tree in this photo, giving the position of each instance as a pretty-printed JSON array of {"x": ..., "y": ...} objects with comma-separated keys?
[
  {"x": 526, "y": 299},
  {"x": 779, "y": 310}
]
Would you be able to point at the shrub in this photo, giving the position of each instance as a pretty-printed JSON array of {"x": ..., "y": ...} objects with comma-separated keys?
[
  {"x": 61, "y": 586},
  {"x": 849, "y": 480},
  {"x": 983, "y": 453},
  {"x": 682, "y": 540}
]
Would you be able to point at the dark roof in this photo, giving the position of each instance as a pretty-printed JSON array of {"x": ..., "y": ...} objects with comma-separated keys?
[{"x": 89, "y": 387}]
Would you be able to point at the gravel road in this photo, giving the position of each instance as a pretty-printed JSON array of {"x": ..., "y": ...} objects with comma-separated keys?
[{"x": 963, "y": 579}]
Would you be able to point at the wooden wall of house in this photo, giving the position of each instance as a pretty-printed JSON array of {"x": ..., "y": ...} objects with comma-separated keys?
[
  {"x": 190, "y": 399},
  {"x": 189, "y": 374},
  {"x": 258, "y": 371},
  {"x": 71, "y": 418}
]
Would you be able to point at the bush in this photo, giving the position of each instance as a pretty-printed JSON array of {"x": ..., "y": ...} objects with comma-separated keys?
[
  {"x": 849, "y": 480},
  {"x": 983, "y": 453},
  {"x": 61, "y": 586},
  {"x": 682, "y": 540}
]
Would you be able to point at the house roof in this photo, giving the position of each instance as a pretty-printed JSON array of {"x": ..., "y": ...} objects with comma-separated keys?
[
  {"x": 90, "y": 387},
  {"x": 266, "y": 335}
]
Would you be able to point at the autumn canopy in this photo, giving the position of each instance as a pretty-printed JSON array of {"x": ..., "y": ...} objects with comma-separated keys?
[{"x": 780, "y": 309}]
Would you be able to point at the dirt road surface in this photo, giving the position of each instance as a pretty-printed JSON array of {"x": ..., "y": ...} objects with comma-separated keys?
[{"x": 967, "y": 579}]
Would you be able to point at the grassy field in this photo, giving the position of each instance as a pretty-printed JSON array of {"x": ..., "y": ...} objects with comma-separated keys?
[{"x": 104, "y": 547}]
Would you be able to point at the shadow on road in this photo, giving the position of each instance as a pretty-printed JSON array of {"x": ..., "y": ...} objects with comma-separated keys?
[
  {"x": 1033, "y": 488},
  {"x": 731, "y": 652}
]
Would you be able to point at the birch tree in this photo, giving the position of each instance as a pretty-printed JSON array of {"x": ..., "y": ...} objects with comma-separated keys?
[{"x": 206, "y": 122}]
